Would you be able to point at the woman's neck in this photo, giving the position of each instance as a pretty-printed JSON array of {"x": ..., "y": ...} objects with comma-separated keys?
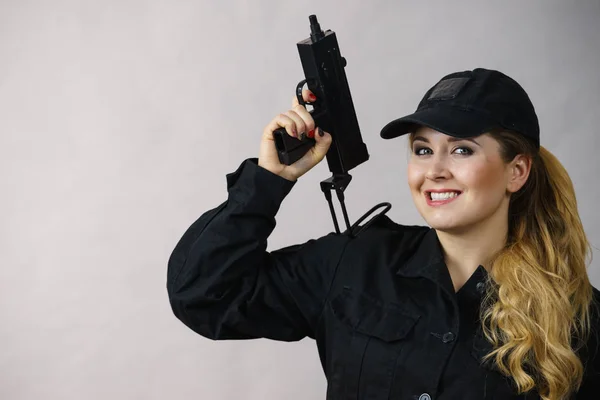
[{"x": 464, "y": 252}]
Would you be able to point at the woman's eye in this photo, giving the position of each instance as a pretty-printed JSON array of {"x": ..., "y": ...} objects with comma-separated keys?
[
  {"x": 463, "y": 150},
  {"x": 421, "y": 151}
]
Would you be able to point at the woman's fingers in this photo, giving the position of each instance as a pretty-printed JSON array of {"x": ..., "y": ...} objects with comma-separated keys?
[{"x": 307, "y": 95}]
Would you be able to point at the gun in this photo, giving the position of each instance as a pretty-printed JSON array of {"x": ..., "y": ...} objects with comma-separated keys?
[{"x": 333, "y": 111}]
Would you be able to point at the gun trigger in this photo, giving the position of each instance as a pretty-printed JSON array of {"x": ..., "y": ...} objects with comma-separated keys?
[{"x": 299, "y": 92}]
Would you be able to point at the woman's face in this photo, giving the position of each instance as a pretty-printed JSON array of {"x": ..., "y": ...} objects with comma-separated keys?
[{"x": 458, "y": 184}]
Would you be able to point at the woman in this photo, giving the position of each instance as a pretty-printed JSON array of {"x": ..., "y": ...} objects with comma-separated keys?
[{"x": 492, "y": 301}]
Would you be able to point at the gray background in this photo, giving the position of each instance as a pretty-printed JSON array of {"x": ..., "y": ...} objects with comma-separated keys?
[{"x": 119, "y": 120}]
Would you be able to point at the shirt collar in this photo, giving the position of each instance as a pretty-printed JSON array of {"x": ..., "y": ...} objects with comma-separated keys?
[
  {"x": 428, "y": 253},
  {"x": 428, "y": 261}
]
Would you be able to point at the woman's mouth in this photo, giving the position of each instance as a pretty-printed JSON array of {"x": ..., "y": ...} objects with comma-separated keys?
[{"x": 439, "y": 198}]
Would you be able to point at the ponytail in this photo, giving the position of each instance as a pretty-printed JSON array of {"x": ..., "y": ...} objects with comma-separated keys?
[{"x": 536, "y": 311}]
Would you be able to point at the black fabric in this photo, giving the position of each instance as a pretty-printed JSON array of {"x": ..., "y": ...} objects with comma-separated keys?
[
  {"x": 468, "y": 103},
  {"x": 451, "y": 121},
  {"x": 381, "y": 307},
  {"x": 447, "y": 88}
]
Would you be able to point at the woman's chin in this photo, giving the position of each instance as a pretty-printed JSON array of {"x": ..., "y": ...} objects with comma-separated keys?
[{"x": 446, "y": 226}]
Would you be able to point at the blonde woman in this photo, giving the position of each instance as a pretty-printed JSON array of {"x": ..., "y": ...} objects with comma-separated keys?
[{"x": 491, "y": 300}]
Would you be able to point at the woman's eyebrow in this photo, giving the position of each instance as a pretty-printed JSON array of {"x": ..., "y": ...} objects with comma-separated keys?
[
  {"x": 455, "y": 139},
  {"x": 451, "y": 140}
]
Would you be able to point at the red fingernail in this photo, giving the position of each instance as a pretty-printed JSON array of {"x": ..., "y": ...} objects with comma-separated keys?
[
  {"x": 312, "y": 96},
  {"x": 311, "y": 133}
]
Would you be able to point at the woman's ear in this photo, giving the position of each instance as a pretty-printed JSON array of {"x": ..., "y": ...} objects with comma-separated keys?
[{"x": 518, "y": 171}]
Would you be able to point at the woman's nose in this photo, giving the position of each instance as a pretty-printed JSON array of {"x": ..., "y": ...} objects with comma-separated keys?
[{"x": 438, "y": 168}]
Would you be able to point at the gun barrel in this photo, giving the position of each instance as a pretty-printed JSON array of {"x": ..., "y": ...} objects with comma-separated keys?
[{"x": 316, "y": 32}]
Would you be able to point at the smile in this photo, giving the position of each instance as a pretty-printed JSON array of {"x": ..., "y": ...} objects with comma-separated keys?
[{"x": 441, "y": 198}]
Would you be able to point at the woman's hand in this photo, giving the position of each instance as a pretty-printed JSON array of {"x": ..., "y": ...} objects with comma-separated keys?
[{"x": 295, "y": 121}]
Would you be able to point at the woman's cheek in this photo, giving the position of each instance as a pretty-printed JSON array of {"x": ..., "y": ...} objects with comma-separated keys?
[
  {"x": 415, "y": 177},
  {"x": 482, "y": 175}
]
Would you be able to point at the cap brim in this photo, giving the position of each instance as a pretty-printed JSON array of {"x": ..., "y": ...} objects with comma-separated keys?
[{"x": 451, "y": 121}]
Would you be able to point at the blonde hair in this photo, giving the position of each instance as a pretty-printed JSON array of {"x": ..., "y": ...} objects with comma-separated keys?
[{"x": 536, "y": 311}]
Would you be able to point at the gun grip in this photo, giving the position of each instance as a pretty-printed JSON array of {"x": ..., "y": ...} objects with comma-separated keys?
[{"x": 290, "y": 149}]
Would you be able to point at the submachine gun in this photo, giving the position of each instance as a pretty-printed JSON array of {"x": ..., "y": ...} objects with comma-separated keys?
[{"x": 333, "y": 111}]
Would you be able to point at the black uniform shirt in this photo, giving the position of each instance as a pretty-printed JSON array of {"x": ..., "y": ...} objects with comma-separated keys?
[{"x": 381, "y": 307}]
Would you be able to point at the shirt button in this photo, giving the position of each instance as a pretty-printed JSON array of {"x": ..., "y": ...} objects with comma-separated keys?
[
  {"x": 480, "y": 287},
  {"x": 448, "y": 337},
  {"x": 425, "y": 396}
]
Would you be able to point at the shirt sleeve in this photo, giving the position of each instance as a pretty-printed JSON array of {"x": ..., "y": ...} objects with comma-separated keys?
[{"x": 223, "y": 284}]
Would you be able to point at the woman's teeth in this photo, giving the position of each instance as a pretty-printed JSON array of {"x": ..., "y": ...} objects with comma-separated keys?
[{"x": 442, "y": 196}]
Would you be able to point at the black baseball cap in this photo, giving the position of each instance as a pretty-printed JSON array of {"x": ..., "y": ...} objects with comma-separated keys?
[{"x": 469, "y": 103}]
